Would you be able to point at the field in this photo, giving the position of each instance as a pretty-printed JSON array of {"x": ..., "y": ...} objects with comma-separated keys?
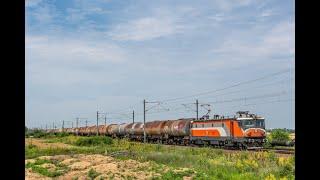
[{"x": 72, "y": 157}]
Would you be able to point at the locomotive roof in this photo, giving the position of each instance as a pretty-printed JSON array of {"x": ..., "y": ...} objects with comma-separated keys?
[
  {"x": 221, "y": 119},
  {"x": 246, "y": 118},
  {"x": 228, "y": 118}
]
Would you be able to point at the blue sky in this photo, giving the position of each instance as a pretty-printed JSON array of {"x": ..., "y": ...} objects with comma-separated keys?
[{"x": 83, "y": 56}]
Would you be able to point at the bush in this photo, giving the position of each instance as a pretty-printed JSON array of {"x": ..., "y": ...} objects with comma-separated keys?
[
  {"x": 36, "y": 133},
  {"x": 62, "y": 134},
  {"x": 93, "y": 141},
  {"x": 279, "y": 135}
]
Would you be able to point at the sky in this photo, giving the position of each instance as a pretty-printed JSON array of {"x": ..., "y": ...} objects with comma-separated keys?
[{"x": 108, "y": 56}]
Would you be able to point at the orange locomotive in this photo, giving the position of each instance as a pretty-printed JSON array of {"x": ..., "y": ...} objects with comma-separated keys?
[{"x": 243, "y": 130}]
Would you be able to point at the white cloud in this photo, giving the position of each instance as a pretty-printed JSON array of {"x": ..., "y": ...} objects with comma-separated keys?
[
  {"x": 231, "y": 4},
  {"x": 78, "y": 14},
  {"x": 278, "y": 42},
  {"x": 32, "y": 3},
  {"x": 64, "y": 49},
  {"x": 44, "y": 14},
  {"x": 280, "y": 39},
  {"x": 62, "y": 62},
  {"x": 160, "y": 24},
  {"x": 268, "y": 13},
  {"x": 146, "y": 28},
  {"x": 217, "y": 17}
]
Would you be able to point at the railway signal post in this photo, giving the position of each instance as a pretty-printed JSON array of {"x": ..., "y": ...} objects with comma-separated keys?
[
  {"x": 77, "y": 126},
  {"x": 97, "y": 123},
  {"x": 144, "y": 118},
  {"x": 197, "y": 104}
]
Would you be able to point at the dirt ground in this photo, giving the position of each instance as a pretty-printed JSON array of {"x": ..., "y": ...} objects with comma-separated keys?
[
  {"x": 40, "y": 143},
  {"x": 109, "y": 167},
  {"x": 80, "y": 164}
]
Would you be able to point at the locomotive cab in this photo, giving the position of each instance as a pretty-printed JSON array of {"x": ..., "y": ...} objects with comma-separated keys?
[
  {"x": 247, "y": 123},
  {"x": 252, "y": 125}
]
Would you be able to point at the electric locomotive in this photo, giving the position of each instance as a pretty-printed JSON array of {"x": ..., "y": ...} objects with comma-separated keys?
[{"x": 243, "y": 130}]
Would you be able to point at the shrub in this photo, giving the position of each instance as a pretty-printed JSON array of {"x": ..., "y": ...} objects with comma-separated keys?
[
  {"x": 62, "y": 134},
  {"x": 36, "y": 133},
  {"x": 279, "y": 135},
  {"x": 93, "y": 141}
]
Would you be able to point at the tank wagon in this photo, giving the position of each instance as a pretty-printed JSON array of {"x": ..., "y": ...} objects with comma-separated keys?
[
  {"x": 92, "y": 130},
  {"x": 112, "y": 130},
  {"x": 242, "y": 130},
  {"x": 81, "y": 131},
  {"x": 102, "y": 129},
  {"x": 134, "y": 131}
]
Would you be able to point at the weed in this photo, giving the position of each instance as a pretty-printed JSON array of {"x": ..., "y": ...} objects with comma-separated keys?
[
  {"x": 31, "y": 146},
  {"x": 93, "y": 174},
  {"x": 174, "y": 175}
]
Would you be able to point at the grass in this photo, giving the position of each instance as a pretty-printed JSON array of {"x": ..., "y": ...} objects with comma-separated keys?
[
  {"x": 93, "y": 174},
  {"x": 174, "y": 175},
  {"x": 93, "y": 141},
  {"x": 59, "y": 169},
  {"x": 81, "y": 141},
  {"x": 201, "y": 163},
  {"x": 34, "y": 152}
]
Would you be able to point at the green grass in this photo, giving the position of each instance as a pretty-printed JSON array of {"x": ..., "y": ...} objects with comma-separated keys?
[
  {"x": 93, "y": 174},
  {"x": 81, "y": 141},
  {"x": 93, "y": 141},
  {"x": 59, "y": 169},
  {"x": 174, "y": 175},
  {"x": 36, "y": 152},
  {"x": 202, "y": 163}
]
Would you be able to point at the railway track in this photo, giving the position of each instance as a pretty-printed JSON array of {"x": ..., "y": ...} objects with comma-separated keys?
[
  {"x": 277, "y": 151},
  {"x": 280, "y": 150},
  {"x": 254, "y": 149},
  {"x": 260, "y": 149}
]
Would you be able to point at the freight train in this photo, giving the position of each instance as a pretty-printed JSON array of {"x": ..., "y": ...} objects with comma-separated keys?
[{"x": 241, "y": 131}]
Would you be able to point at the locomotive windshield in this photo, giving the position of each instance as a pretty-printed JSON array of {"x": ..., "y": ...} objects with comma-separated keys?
[
  {"x": 260, "y": 123},
  {"x": 251, "y": 123}
]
